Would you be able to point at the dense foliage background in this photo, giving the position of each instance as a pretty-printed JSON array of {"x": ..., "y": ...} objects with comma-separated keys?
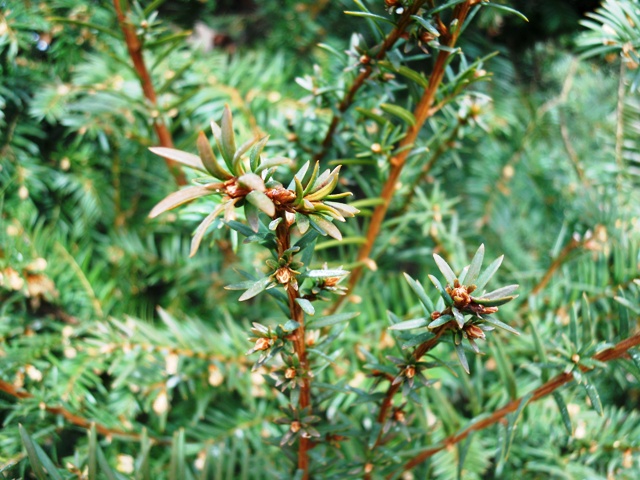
[{"x": 111, "y": 335}]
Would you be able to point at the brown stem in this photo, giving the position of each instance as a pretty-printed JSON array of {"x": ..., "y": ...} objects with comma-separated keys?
[
  {"x": 613, "y": 353},
  {"x": 72, "y": 418},
  {"x": 298, "y": 339},
  {"x": 418, "y": 353},
  {"x": 134, "y": 47},
  {"x": 557, "y": 263},
  {"x": 442, "y": 148},
  {"x": 404, "y": 21},
  {"x": 421, "y": 114}
]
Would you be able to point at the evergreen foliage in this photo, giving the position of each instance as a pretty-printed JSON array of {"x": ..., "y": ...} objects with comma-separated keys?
[{"x": 373, "y": 350}]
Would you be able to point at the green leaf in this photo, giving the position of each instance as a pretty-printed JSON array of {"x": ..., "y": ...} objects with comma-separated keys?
[
  {"x": 209, "y": 159},
  {"x": 444, "y": 267},
  {"x": 92, "y": 461},
  {"x": 325, "y": 227},
  {"x": 332, "y": 319},
  {"x": 417, "y": 340},
  {"x": 327, "y": 273},
  {"x": 505, "y": 8},
  {"x": 458, "y": 316},
  {"x": 495, "y": 302},
  {"x": 428, "y": 26},
  {"x": 306, "y": 306},
  {"x": 592, "y": 392},
  {"x": 445, "y": 296},
  {"x": 178, "y": 467},
  {"x": 497, "y": 323},
  {"x": 261, "y": 201},
  {"x": 255, "y": 289},
  {"x": 188, "y": 159},
  {"x": 501, "y": 292},
  {"x": 252, "y": 182},
  {"x": 371, "y": 16},
  {"x": 564, "y": 412},
  {"x": 462, "y": 357},
  {"x": 417, "y": 287},
  {"x": 303, "y": 222},
  {"x": 488, "y": 273},
  {"x": 143, "y": 471},
  {"x": 402, "y": 113},
  {"x": 441, "y": 320},
  {"x": 202, "y": 228},
  {"x": 512, "y": 422},
  {"x": 179, "y": 198},
  {"x": 410, "y": 324},
  {"x": 227, "y": 137},
  {"x": 474, "y": 267},
  {"x": 38, "y": 459}
]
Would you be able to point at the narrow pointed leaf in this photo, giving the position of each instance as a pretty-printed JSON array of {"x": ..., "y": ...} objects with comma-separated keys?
[
  {"x": 299, "y": 174},
  {"x": 410, "y": 324},
  {"x": 332, "y": 319},
  {"x": 458, "y": 316},
  {"x": 445, "y": 296},
  {"x": 444, "y": 267},
  {"x": 326, "y": 226},
  {"x": 261, "y": 201},
  {"x": 92, "y": 461},
  {"x": 251, "y": 181},
  {"x": 306, "y": 306},
  {"x": 497, "y": 323},
  {"x": 303, "y": 222},
  {"x": 255, "y": 289},
  {"x": 496, "y": 302},
  {"x": 209, "y": 159},
  {"x": 202, "y": 229},
  {"x": 185, "y": 158},
  {"x": 441, "y": 320},
  {"x": 500, "y": 292},
  {"x": 228, "y": 142},
  {"x": 474, "y": 267},
  {"x": 462, "y": 357},
  {"x": 484, "y": 278},
  {"x": 179, "y": 198},
  {"x": 402, "y": 113},
  {"x": 417, "y": 287},
  {"x": 592, "y": 392},
  {"x": 564, "y": 412}
]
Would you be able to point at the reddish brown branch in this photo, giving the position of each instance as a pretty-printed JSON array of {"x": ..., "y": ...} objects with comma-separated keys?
[
  {"x": 284, "y": 242},
  {"x": 421, "y": 113},
  {"x": 134, "y": 47},
  {"x": 613, "y": 353},
  {"x": 557, "y": 263},
  {"x": 72, "y": 418},
  {"x": 365, "y": 73}
]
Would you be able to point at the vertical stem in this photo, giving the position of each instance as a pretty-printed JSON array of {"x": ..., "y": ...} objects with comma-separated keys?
[
  {"x": 421, "y": 113},
  {"x": 298, "y": 339},
  {"x": 134, "y": 47}
]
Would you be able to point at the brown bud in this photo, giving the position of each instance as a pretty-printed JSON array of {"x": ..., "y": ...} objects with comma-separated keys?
[
  {"x": 575, "y": 358},
  {"x": 295, "y": 426},
  {"x": 368, "y": 468},
  {"x": 460, "y": 297},
  {"x": 283, "y": 275},
  {"x": 262, "y": 344},
  {"x": 376, "y": 148},
  {"x": 399, "y": 416},
  {"x": 410, "y": 371},
  {"x": 435, "y": 315},
  {"x": 365, "y": 59},
  {"x": 391, "y": 3},
  {"x": 426, "y": 37},
  {"x": 474, "y": 331},
  {"x": 290, "y": 373}
]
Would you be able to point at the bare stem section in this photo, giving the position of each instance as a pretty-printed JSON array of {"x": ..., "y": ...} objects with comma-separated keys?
[
  {"x": 134, "y": 47},
  {"x": 422, "y": 113}
]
